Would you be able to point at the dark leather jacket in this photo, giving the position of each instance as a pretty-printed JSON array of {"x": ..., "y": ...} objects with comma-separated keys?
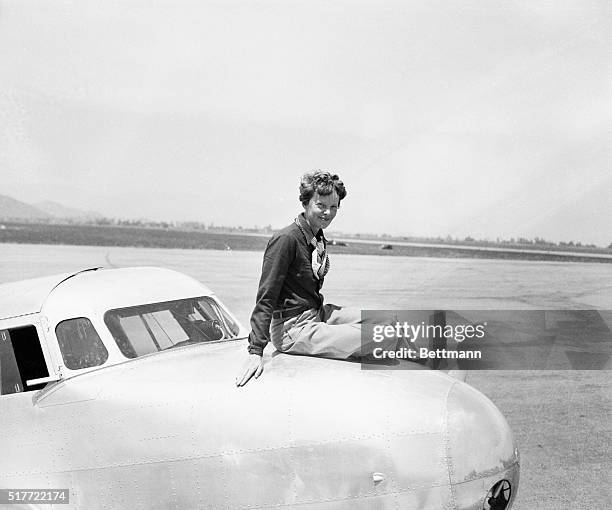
[{"x": 287, "y": 285}]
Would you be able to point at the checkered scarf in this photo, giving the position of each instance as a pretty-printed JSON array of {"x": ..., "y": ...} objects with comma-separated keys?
[{"x": 320, "y": 260}]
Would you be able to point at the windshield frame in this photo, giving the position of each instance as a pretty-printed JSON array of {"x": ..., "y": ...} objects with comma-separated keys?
[{"x": 134, "y": 328}]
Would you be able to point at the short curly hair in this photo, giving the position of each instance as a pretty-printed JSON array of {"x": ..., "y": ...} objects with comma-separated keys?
[{"x": 321, "y": 182}]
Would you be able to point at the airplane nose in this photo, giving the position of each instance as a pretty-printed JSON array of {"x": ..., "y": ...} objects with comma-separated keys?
[{"x": 482, "y": 456}]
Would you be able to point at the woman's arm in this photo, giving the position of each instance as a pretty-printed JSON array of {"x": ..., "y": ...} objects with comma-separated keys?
[{"x": 278, "y": 256}]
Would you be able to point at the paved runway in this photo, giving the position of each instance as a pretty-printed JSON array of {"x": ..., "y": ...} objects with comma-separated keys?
[{"x": 562, "y": 419}]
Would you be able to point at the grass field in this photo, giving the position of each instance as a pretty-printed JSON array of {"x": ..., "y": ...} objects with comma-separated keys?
[{"x": 86, "y": 235}]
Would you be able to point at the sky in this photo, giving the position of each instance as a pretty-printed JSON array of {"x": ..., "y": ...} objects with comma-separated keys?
[{"x": 481, "y": 118}]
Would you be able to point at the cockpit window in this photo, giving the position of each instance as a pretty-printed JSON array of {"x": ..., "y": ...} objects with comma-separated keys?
[
  {"x": 80, "y": 344},
  {"x": 145, "y": 329}
]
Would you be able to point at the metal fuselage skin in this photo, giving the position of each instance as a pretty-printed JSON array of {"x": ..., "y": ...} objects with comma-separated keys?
[{"x": 171, "y": 430}]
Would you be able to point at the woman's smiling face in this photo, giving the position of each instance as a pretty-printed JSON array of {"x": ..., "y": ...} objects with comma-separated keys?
[{"x": 321, "y": 210}]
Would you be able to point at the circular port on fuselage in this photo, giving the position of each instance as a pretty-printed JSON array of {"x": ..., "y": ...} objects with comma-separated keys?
[{"x": 498, "y": 497}]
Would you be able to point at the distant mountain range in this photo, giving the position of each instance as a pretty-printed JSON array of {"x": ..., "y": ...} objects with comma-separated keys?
[{"x": 11, "y": 208}]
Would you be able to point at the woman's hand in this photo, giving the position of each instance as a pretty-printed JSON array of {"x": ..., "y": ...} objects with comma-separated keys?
[{"x": 252, "y": 367}]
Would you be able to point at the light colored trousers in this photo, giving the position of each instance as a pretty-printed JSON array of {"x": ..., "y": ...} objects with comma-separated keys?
[{"x": 330, "y": 332}]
